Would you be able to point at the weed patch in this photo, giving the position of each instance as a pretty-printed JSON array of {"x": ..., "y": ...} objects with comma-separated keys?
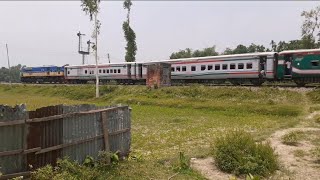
[
  {"x": 237, "y": 152},
  {"x": 299, "y": 153},
  {"x": 292, "y": 138}
]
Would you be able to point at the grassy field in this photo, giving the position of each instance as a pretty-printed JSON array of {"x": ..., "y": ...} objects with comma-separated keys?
[{"x": 169, "y": 120}]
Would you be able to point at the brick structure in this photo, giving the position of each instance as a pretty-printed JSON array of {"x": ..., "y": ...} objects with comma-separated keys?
[{"x": 158, "y": 75}]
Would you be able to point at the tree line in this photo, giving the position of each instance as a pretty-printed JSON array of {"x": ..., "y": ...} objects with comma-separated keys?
[
  {"x": 309, "y": 40},
  {"x": 13, "y": 75}
]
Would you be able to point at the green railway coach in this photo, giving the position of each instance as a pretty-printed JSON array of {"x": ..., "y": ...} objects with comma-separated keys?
[{"x": 301, "y": 66}]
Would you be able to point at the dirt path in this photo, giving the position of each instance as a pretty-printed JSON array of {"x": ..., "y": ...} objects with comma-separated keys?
[
  {"x": 208, "y": 169},
  {"x": 301, "y": 167}
]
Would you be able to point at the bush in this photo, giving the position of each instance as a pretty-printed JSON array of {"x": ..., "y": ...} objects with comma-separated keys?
[
  {"x": 236, "y": 152},
  {"x": 292, "y": 138}
]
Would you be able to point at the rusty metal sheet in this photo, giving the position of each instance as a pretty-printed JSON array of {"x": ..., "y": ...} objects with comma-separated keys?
[
  {"x": 12, "y": 138},
  {"x": 120, "y": 119},
  {"x": 45, "y": 134},
  {"x": 80, "y": 128}
]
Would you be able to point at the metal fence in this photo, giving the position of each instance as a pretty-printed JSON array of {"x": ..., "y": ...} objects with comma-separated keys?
[{"x": 40, "y": 137}]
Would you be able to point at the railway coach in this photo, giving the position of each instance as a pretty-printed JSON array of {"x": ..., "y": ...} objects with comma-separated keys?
[
  {"x": 122, "y": 73},
  {"x": 254, "y": 68},
  {"x": 300, "y": 66}
]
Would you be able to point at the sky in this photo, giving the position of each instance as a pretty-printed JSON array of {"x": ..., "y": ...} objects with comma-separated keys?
[{"x": 44, "y": 32}]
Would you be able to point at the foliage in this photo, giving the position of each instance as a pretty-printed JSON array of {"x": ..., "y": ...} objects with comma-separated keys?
[
  {"x": 105, "y": 158},
  {"x": 292, "y": 138},
  {"x": 90, "y": 7},
  {"x": 184, "y": 162},
  {"x": 188, "y": 53},
  {"x": 65, "y": 169},
  {"x": 14, "y": 75},
  {"x": 129, "y": 34},
  {"x": 237, "y": 152},
  {"x": 311, "y": 24},
  {"x": 131, "y": 48}
]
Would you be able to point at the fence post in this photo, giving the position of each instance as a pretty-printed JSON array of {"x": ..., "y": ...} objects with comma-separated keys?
[{"x": 105, "y": 123}]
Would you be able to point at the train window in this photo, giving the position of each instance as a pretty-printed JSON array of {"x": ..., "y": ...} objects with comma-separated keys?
[
  {"x": 172, "y": 69},
  {"x": 111, "y": 70},
  {"x": 68, "y": 72},
  {"x": 232, "y": 66},
  {"x": 99, "y": 70},
  {"x": 104, "y": 71},
  {"x": 224, "y": 66},
  {"x": 315, "y": 63},
  {"x": 108, "y": 71},
  {"x": 210, "y": 67},
  {"x": 249, "y": 65},
  {"x": 193, "y": 68},
  {"x": 240, "y": 66},
  {"x": 217, "y": 67},
  {"x": 178, "y": 68},
  {"x": 86, "y": 72},
  {"x": 184, "y": 68},
  {"x": 203, "y": 67},
  {"x": 119, "y": 71}
]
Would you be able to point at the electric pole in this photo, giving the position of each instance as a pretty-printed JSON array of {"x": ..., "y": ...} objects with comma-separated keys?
[
  {"x": 96, "y": 53},
  {"x": 9, "y": 65},
  {"x": 109, "y": 58}
]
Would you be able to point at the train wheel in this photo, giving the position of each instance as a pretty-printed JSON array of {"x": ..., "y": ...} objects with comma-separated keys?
[
  {"x": 300, "y": 83},
  {"x": 256, "y": 82},
  {"x": 234, "y": 82}
]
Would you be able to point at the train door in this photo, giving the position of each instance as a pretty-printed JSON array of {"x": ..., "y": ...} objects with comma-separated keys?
[
  {"x": 263, "y": 65},
  {"x": 129, "y": 71},
  {"x": 140, "y": 71},
  {"x": 135, "y": 70},
  {"x": 288, "y": 64}
]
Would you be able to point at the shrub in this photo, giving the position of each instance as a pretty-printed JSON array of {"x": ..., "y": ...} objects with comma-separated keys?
[
  {"x": 236, "y": 152},
  {"x": 292, "y": 138}
]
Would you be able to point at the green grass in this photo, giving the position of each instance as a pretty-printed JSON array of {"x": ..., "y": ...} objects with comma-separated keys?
[{"x": 170, "y": 120}]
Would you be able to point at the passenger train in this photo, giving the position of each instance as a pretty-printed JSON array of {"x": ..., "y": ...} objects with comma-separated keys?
[{"x": 300, "y": 66}]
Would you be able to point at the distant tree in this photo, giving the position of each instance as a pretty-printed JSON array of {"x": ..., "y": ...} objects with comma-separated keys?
[
  {"x": 310, "y": 28},
  {"x": 227, "y": 51},
  {"x": 129, "y": 34},
  {"x": 188, "y": 53},
  {"x": 240, "y": 49},
  {"x": 273, "y": 45},
  {"x": 14, "y": 74}
]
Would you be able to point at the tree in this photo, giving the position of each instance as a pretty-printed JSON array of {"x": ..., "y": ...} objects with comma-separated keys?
[
  {"x": 129, "y": 34},
  {"x": 91, "y": 7},
  {"x": 310, "y": 27},
  {"x": 188, "y": 53},
  {"x": 14, "y": 74},
  {"x": 227, "y": 51},
  {"x": 240, "y": 49}
]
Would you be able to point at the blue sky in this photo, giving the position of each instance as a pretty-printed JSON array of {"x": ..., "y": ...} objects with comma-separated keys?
[{"x": 44, "y": 33}]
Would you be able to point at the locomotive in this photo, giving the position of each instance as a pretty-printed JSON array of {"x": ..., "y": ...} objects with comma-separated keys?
[{"x": 299, "y": 66}]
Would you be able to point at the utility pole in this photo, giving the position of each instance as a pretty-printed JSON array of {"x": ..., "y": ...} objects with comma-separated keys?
[
  {"x": 109, "y": 58},
  {"x": 9, "y": 65},
  {"x": 96, "y": 55}
]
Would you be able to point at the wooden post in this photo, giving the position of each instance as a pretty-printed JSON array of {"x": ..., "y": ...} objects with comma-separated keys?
[{"x": 105, "y": 122}]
